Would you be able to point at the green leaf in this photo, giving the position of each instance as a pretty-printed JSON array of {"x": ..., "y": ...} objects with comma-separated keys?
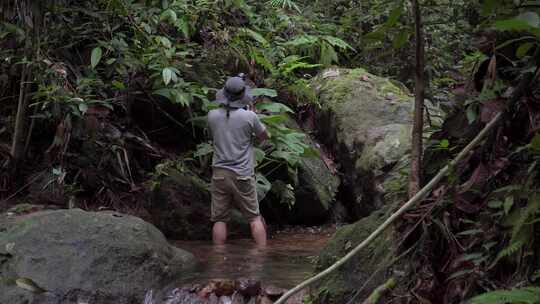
[
  {"x": 495, "y": 204},
  {"x": 169, "y": 14},
  {"x": 393, "y": 18},
  {"x": 263, "y": 92},
  {"x": 165, "y": 93},
  {"x": 526, "y": 295},
  {"x": 470, "y": 232},
  {"x": 489, "y": 7},
  {"x": 444, "y": 144},
  {"x": 302, "y": 41},
  {"x": 254, "y": 35},
  {"x": 377, "y": 35},
  {"x": 95, "y": 57},
  {"x": 273, "y": 119},
  {"x": 511, "y": 24},
  {"x": 203, "y": 149},
  {"x": 524, "y": 49},
  {"x": 165, "y": 42},
  {"x": 471, "y": 114},
  {"x": 401, "y": 39},
  {"x": 274, "y": 107},
  {"x": 525, "y": 21},
  {"x": 118, "y": 85},
  {"x": 262, "y": 185},
  {"x": 535, "y": 143},
  {"x": 532, "y": 18},
  {"x": 335, "y": 41},
  {"x": 183, "y": 26},
  {"x": 508, "y": 203},
  {"x": 167, "y": 75},
  {"x": 182, "y": 98},
  {"x": 259, "y": 155},
  {"x": 83, "y": 108}
]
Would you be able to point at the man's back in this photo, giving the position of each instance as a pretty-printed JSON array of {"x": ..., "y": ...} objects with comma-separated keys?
[{"x": 233, "y": 139}]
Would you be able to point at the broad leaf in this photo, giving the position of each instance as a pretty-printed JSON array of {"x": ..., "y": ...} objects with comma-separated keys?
[
  {"x": 256, "y": 36},
  {"x": 96, "y": 57},
  {"x": 263, "y": 92},
  {"x": 525, "y": 21},
  {"x": 524, "y": 49},
  {"x": 335, "y": 41},
  {"x": 262, "y": 185},
  {"x": 394, "y": 16},
  {"x": 401, "y": 39},
  {"x": 203, "y": 149},
  {"x": 274, "y": 107},
  {"x": 167, "y": 75}
]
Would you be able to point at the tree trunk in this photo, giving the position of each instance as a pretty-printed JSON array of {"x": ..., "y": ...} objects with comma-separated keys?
[
  {"x": 17, "y": 147},
  {"x": 416, "y": 153}
]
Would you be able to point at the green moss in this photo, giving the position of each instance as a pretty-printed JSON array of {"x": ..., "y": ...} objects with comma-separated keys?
[
  {"x": 373, "y": 260},
  {"x": 396, "y": 142}
]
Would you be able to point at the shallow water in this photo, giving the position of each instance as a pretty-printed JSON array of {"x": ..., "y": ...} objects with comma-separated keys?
[{"x": 288, "y": 259}]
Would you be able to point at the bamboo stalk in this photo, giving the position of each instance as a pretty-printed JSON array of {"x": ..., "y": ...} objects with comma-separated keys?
[
  {"x": 415, "y": 199},
  {"x": 518, "y": 93}
]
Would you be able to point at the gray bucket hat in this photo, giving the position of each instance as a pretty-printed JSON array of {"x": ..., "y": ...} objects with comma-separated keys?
[{"x": 235, "y": 93}]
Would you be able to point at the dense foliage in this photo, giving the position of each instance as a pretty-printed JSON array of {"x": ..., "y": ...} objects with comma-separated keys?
[{"x": 100, "y": 97}]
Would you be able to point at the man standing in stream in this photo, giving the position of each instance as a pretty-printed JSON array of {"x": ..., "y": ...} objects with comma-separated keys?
[{"x": 234, "y": 127}]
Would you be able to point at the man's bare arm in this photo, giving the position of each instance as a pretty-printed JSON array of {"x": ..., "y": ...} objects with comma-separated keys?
[{"x": 264, "y": 135}]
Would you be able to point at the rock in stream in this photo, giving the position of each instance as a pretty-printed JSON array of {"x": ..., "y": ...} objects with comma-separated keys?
[{"x": 73, "y": 256}]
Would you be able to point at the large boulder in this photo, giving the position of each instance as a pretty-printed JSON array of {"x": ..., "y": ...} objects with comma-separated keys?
[
  {"x": 180, "y": 208},
  {"x": 367, "y": 270},
  {"x": 307, "y": 197},
  {"x": 73, "y": 256},
  {"x": 316, "y": 190},
  {"x": 367, "y": 121}
]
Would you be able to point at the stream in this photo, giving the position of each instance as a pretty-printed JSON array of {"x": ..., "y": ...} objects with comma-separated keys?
[{"x": 288, "y": 259}]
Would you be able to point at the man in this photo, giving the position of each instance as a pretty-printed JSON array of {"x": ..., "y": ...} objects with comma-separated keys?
[{"x": 233, "y": 127}]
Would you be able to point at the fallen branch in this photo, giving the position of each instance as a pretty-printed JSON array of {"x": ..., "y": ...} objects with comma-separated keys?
[{"x": 419, "y": 196}]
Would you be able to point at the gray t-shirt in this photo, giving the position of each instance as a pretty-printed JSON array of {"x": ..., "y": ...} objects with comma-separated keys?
[{"x": 233, "y": 139}]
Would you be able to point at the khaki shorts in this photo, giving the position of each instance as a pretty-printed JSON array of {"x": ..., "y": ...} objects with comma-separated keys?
[{"x": 230, "y": 189}]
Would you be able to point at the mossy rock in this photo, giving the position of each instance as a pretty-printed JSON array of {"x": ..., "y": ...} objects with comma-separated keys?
[
  {"x": 370, "y": 268},
  {"x": 367, "y": 121},
  {"x": 73, "y": 256},
  {"x": 317, "y": 187},
  {"x": 180, "y": 208}
]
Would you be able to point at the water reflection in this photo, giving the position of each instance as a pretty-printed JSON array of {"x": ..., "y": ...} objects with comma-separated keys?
[{"x": 287, "y": 260}]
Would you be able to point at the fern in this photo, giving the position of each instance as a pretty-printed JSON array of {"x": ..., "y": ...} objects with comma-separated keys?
[
  {"x": 254, "y": 35},
  {"x": 328, "y": 54},
  {"x": 526, "y": 295},
  {"x": 526, "y": 214},
  {"x": 285, "y": 4},
  {"x": 522, "y": 230}
]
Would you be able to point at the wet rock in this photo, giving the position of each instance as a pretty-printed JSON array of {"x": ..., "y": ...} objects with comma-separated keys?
[
  {"x": 97, "y": 257},
  {"x": 273, "y": 291},
  {"x": 316, "y": 190},
  {"x": 368, "y": 132},
  {"x": 224, "y": 287},
  {"x": 308, "y": 199},
  {"x": 248, "y": 287},
  {"x": 237, "y": 298},
  {"x": 180, "y": 207},
  {"x": 224, "y": 300},
  {"x": 206, "y": 291},
  {"x": 213, "y": 299},
  {"x": 263, "y": 300}
]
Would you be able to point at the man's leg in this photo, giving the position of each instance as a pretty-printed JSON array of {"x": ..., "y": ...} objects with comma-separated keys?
[
  {"x": 258, "y": 231},
  {"x": 219, "y": 233},
  {"x": 221, "y": 204}
]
